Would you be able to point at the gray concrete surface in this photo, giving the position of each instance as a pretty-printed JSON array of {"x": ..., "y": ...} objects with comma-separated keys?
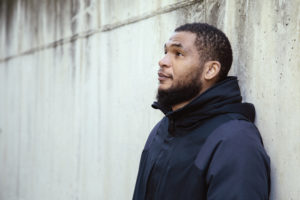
[{"x": 77, "y": 79}]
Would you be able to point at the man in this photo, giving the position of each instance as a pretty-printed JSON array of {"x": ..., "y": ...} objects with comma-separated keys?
[{"x": 206, "y": 147}]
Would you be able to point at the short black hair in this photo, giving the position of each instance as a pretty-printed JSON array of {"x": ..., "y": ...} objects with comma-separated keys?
[{"x": 212, "y": 44}]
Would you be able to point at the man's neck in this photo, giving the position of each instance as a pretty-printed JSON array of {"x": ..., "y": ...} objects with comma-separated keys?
[{"x": 180, "y": 105}]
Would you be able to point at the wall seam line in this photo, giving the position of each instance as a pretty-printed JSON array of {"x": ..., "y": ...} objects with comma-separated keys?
[{"x": 105, "y": 28}]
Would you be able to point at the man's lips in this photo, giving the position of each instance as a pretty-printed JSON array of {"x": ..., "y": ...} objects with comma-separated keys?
[{"x": 162, "y": 76}]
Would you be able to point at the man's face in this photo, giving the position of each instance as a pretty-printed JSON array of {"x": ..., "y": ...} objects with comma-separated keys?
[{"x": 180, "y": 70}]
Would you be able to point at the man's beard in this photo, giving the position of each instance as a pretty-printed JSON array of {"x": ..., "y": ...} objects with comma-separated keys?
[{"x": 184, "y": 90}]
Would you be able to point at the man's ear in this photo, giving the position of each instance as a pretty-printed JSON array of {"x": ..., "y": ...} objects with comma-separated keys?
[{"x": 211, "y": 70}]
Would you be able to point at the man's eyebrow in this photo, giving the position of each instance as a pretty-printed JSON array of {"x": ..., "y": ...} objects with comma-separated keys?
[
  {"x": 174, "y": 45},
  {"x": 177, "y": 45}
]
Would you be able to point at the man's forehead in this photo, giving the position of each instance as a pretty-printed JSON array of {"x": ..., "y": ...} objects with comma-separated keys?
[{"x": 181, "y": 39}]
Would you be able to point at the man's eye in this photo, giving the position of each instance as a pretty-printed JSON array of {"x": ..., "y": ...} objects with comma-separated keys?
[{"x": 178, "y": 53}]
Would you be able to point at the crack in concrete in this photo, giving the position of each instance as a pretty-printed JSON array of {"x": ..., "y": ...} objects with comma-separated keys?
[{"x": 106, "y": 27}]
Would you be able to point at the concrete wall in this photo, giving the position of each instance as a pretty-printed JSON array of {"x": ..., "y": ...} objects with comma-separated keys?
[{"x": 77, "y": 79}]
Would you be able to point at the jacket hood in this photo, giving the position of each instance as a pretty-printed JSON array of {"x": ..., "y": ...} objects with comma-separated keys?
[{"x": 224, "y": 97}]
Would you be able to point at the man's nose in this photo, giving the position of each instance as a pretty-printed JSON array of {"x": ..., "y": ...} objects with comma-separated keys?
[{"x": 165, "y": 61}]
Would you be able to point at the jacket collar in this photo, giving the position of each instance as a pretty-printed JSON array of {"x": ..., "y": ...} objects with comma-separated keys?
[{"x": 223, "y": 97}]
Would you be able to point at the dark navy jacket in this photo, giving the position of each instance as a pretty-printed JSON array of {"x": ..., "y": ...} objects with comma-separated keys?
[{"x": 208, "y": 150}]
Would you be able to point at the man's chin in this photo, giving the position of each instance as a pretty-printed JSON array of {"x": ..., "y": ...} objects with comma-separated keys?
[{"x": 163, "y": 87}]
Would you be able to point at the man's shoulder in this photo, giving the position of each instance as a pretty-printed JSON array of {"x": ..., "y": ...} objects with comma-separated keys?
[
  {"x": 234, "y": 140},
  {"x": 236, "y": 131},
  {"x": 235, "y": 136}
]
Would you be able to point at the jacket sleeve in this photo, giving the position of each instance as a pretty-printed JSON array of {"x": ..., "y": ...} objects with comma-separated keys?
[{"x": 239, "y": 168}]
